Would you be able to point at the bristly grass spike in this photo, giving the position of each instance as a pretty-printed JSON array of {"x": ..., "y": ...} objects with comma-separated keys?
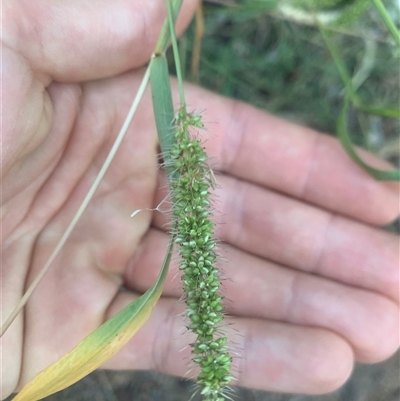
[
  {"x": 191, "y": 182},
  {"x": 194, "y": 234}
]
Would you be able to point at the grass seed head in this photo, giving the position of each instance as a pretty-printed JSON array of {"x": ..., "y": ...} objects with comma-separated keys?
[{"x": 195, "y": 232}]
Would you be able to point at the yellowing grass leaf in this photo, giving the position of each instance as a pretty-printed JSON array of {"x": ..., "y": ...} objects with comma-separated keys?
[{"x": 97, "y": 347}]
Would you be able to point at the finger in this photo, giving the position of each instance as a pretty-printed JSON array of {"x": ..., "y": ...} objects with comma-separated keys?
[
  {"x": 298, "y": 235},
  {"x": 75, "y": 40},
  {"x": 268, "y": 356},
  {"x": 260, "y": 289},
  {"x": 255, "y": 146}
]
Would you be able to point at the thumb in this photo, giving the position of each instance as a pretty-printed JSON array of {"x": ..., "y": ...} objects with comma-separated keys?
[
  {"x": 80, "y": 40},
  {"x": 68, "y": 42}
]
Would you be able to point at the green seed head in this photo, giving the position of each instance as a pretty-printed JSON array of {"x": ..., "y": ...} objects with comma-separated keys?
[{"x": 194, "y": 235}]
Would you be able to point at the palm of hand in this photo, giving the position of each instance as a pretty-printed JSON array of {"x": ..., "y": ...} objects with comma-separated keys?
[{"x": 56, "y": 136}]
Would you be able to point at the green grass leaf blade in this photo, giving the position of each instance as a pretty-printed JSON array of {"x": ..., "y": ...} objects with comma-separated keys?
[
  {"x": 387, "y": 20},
  {"x": 378, "y": 111},
  {"x": 382, "y": 175},
  {"x": 164, "y": 38},
  {"x": 98, "y": 346},
  {"x": 342, "y": 130},
  {"x": 176, "y": 53},
  {"x": 163, "y": 109},
  {"x": 341, "y": 67}
]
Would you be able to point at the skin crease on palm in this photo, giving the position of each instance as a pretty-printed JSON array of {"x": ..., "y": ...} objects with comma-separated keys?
[{"x": 312, "y": 283}]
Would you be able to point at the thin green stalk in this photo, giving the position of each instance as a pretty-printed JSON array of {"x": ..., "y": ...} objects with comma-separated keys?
[
  {"x": 190, "y": 181},
  {"x": 347, "y": 81},
  {"x": 163, "y": 41},
  {"x": 176, "y": 54},
  {"x": 338, "y": 61},
  {"x": 83, "y": 205},
  {"x": 387, "y": 20},
  {"x": 342, "y": 120},
  {"x": 382, "y": 175}
]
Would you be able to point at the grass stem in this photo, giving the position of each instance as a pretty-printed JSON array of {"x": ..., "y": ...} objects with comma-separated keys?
[
  {"x": 176, "y": 54},
  {"x": 387, "y": 20}
]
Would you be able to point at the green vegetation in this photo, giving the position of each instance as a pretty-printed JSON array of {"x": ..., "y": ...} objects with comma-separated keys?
[{"x": 280, "y": 62}]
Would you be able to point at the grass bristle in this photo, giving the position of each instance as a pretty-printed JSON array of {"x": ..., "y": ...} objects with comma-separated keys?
[{"x": 200, "y": 277}]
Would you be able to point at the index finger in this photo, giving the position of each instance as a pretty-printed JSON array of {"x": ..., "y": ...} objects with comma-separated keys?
[{"x": 298, "y": 161}]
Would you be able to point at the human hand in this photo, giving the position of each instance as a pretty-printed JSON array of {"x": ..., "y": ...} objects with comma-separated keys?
[{"x": 312, "y": 285}]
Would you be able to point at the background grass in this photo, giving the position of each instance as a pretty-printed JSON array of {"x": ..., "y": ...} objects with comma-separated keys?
[
  {"x": 278, "y": 64},
  {"x": 251, "y": 52}
]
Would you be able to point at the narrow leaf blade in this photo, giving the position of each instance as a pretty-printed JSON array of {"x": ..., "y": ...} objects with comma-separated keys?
[
  {"x": 164, "y": 38},
  {"x": 383, "y": 175},
  {"x": 387, "y": 20},
  {"x": 163, "y": 108},
  {"x": 98, "y": 346},
  {"x": 388, "y": 112}
]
